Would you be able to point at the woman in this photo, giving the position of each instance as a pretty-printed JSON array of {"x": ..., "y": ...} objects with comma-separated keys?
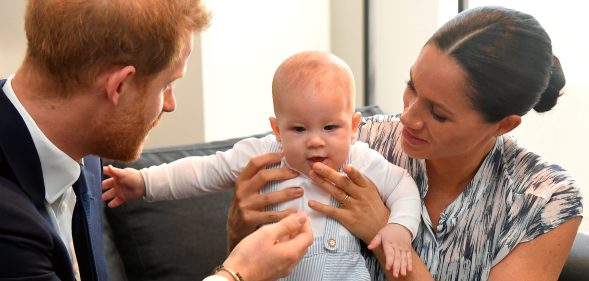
[{"x": 492, "y": 209}]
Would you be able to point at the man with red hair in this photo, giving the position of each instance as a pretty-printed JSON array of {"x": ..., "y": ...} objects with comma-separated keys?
[{"x": 96, "y": 77}]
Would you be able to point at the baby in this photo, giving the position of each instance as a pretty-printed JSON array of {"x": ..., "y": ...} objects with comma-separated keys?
[{"x": 313, "y": 94}]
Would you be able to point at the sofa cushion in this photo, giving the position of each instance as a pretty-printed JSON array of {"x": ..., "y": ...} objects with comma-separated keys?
[
  {"x": 576, "y": 267},
  {"x": 175, "y": 240}
]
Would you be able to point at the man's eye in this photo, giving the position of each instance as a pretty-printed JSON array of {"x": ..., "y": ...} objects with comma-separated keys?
[
  {"x": 330, "y": 127},
  {"x": 299, "y": 129}
]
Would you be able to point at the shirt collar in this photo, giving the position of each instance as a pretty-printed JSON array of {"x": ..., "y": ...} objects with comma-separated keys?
[{"x": 59, "y": 170}]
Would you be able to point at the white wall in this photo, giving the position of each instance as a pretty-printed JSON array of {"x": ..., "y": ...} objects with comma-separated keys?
[
  {"x": 13, "y": 41},
  {"x": 244, "y": 45},
  {"x": 401, "y": 29}
]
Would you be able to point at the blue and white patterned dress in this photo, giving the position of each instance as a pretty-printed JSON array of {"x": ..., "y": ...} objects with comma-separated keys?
[{"x": 515, "y": 196}]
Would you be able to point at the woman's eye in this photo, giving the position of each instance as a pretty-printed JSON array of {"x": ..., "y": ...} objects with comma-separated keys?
[{"x": 439, "y": 118}]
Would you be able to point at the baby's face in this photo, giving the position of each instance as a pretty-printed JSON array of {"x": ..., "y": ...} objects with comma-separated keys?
[{"x": 316, "y": 128}]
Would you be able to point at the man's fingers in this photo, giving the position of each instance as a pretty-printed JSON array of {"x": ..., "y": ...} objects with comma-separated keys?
[
  {"x": 304, "y": 237},
  {"x": 274, "y": 216},
  {"x": 265, "y": 217},
  {"x": 289, "y": 227}
]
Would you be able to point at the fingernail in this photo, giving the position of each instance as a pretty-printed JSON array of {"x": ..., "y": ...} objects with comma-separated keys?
[
  {"x": 298, "y": 191},
  {"x": 301, "y": 217}
]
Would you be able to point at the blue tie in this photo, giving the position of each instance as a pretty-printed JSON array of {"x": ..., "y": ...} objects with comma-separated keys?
[{"x": 80, "y": 231}]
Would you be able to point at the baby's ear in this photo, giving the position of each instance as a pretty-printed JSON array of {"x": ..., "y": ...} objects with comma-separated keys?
[
  {"x": 355, "y": 124},
  {"x": 274, "y": 125}
]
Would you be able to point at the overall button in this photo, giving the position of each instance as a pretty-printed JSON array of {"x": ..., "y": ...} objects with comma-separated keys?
[{"x": 331, "y": 243}]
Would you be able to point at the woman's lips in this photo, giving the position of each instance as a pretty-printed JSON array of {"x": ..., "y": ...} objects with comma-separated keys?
[{"x": 411, "y": 139}]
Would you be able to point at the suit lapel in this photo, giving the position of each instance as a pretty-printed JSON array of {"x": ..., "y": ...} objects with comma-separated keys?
[
  {"x": 20, "y": 164},
  {"x": 20, "y": 153}
]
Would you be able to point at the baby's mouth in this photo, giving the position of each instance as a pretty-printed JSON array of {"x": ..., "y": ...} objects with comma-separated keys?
[{"x": 317, "y": 159}]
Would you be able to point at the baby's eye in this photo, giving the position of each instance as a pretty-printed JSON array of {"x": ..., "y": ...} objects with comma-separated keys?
[
  {"x": 298, "y": 129},
  {"x": 330, "y": 127}
]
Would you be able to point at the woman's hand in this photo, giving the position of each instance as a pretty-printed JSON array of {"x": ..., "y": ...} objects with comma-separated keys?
[
  {"x": 246, "y": 212},
  {"x": 362, "y": 210}
]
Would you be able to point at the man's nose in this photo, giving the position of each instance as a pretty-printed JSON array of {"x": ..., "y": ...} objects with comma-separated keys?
[{"x": 169, "y": 101}]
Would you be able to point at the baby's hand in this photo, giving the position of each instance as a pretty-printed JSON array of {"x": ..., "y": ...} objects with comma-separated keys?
[
  {"x": 123, "y": 185},
  {"x": 396, "y": 242}
]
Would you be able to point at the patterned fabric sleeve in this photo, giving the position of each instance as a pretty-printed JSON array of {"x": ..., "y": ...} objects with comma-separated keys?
[
  {"x": 553, "y": 186},
  {"x": 564, "y": 204}
]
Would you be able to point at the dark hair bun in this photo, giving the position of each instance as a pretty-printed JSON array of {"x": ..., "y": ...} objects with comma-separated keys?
[{"x": 553, "y": 91}]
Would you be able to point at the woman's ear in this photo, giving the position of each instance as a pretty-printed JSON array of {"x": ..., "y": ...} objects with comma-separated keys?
[
  {"x": 116, "y": 82},
  {"x": 507, "y": 124},
  {"x": 274, "y": 125}
]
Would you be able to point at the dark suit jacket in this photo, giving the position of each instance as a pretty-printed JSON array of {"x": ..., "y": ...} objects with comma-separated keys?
[{"x": 30, "y": 249}]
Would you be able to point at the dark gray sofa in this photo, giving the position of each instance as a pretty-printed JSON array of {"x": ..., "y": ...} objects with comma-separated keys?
[{"x": 185, "y": 239}]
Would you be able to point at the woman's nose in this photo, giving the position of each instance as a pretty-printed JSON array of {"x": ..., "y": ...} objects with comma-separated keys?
[{"x": 411, "y": 116}]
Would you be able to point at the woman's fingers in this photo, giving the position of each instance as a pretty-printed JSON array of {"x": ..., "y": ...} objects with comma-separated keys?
[
  {"x": 356, "y": 177},
  {"x": 261, "y": 178},
  {"x": 325, "y": 176},
  {"x": 335, "y": 191},
  {"x": 260, "y": 201},
  {"x": 328, "y": 210},
  {"x": 256, "y": 165},
  {"x": 247, "y": 208}
]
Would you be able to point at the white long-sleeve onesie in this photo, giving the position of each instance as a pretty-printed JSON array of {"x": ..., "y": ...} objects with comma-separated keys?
[{"x": 199, "y": 175}]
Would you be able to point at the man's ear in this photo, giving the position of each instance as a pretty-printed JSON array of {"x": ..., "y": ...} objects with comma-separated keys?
[
  {"x": 355, "y": 124},
  {"x": 507, "y": 124},
  {"x": 116, "y": 81},
  {"x": 274, "y": 125}
]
